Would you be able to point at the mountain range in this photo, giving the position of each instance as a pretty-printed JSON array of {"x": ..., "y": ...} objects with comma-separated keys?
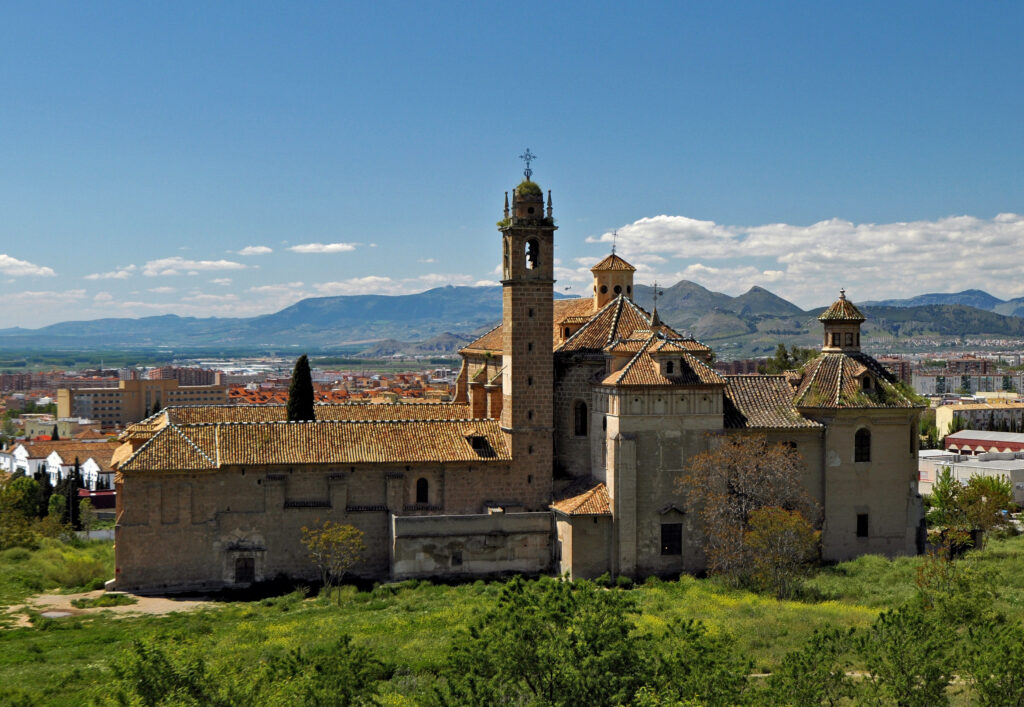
[{"x": 441, "y": 320}]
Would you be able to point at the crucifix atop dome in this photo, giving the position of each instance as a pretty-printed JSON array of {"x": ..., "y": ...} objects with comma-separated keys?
[{"x": 527, "y": 157}]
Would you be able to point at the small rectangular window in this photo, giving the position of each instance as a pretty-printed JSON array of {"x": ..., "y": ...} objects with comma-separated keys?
[
  {"x": 862, "y": 525},
  {"x": 457, "y": 558},
  {"x": 671, "y": 538}
]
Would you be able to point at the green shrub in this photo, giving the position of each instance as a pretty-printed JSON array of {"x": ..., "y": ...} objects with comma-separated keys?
[{"x": 624, "y": 582}]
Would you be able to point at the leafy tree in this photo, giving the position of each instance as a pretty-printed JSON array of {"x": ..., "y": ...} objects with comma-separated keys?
[
  {"x": 965, "y": 512},
  {"x": 300, "y": 392},
  {"x": 57, "y": 508},
  {"x": 14, "y": 521},
  {"x": 549, "y": 642},
  {"x": 984, "y": 499},
  {"x": 86, "y": 515},
  {"x": 727, "y": 483},
  {"x": 695, "y": 667},
  {"x": 906, "y": 658},
  {"x": 782, "y": 545},
  {"x": 21, "y": 496},
  {"x": 334, "y": 549},
  {"x": 148, "y": 674},
  {"x": 784, "y": 360},
  {"x": 993, "y": 659},
  {"x": 338, "y": 674},
  {"x": 156, "y": 407},
  {"x": 815, "y": 673}
]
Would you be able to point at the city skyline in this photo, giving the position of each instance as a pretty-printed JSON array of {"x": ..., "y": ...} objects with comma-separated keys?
[{"x": 231, "y": 160}]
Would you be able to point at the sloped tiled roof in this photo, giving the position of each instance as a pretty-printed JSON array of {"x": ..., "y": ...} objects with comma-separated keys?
[
  {"x": 833, "y": 380},
  {"x": 612, "y": 262},
  {"x": 842, "y": 310},
  {"x": 584, "y": 497},
  {"x": 643, "y": 370},
  {"x": 762, "y": 402},
  {"x": 488, "y": 343},
  {"x": 212, "y": 445}
]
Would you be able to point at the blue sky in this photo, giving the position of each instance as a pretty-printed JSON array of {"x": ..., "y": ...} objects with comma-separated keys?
[{"x": 152, "y": 154}]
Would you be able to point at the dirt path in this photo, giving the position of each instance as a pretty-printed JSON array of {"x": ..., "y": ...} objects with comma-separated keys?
[{"x": 59, "y": 606}]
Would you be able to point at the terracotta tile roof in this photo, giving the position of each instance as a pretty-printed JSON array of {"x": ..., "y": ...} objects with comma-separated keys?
[
  {"x": 832, "y": 380},
  {"x": 842, "y": 310},
  {"x": 643, "y": 370},
  {"x": 577, "y": 310},
  {"x": 615, "y": 320},
  {"x": 488, "y": 343},
  {"x": 762, "y": 402},
  {"x": 213, "y": 445},
  {"x": 584, "y": 497},
  {"x": 612, "y": 262}
]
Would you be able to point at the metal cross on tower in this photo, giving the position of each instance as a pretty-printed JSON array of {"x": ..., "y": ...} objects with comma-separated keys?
[
  {"x": 615, "y": 238},
  {"x": 657, "y": 293},
  {"x": 527, "y": 157}
]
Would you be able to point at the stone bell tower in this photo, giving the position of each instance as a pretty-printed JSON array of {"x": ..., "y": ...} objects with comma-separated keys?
[{"x": 527, "y": 236}]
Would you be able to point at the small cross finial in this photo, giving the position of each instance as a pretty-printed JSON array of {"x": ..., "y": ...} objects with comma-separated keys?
[
  {"x": 657, "y": 293},
  {"x": 615, "y": 238},
  {"x": 527, "y": 157}
]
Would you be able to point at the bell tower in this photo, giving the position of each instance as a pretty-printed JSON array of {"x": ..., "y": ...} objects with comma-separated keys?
[{"x": 527, "y": 241}]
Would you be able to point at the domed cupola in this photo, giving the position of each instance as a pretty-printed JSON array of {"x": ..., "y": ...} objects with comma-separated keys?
[
  {"x": 842, "y": 326},
  {"x": 613, "y": 276}
]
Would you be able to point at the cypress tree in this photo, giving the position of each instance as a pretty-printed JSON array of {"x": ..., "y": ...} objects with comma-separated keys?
[
  {"x": 300, "y": 392},
  {"x": 55, "y": 435},
  {"x": 45, "y": 491}
]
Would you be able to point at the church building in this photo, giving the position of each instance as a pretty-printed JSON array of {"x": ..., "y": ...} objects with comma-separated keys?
[{"x": 572, "y": 421}]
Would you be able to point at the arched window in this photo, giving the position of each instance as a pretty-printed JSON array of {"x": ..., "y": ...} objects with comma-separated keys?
[
  {"x": 867, "y": 382},
  {"x": 668, "y": 367},
  {"x": 862, "y": 445},
  {"x": 422, "y": 491},
  {"x": 579, "y": 418},
  {"x": 507, "y": 268},
  {"x": 567, "y": 332},
  {"x": 532, "y": 254}
]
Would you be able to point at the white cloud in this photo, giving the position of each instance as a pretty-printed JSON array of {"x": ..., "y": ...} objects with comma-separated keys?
[
  {"x": 16, "y": 268},
  {"x": 163, "y": 290},
  {"x": 808, "y": 264},
  {"x": 46, "y": 296},
  {"x": 428, "y": 260},
  {"x": 203, "y": 298},
  {"x": 102, "y": 297},
  {"x": 177, "y": 265},
  {"x": 486, "y": 283},
  {"x": 323, "y": 247},
  {"x": 221, "y": 281},
  {"x": 116, "y": 274},
  {"x": 255, "y": 250},
  {"x": 283, "y": 287},
  {"x": 368, "y": 285}
]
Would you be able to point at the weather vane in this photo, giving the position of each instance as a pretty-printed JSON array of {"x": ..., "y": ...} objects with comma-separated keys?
[
  {"x": 527, "y": 157},
  {"x": 657, "y": 293}
]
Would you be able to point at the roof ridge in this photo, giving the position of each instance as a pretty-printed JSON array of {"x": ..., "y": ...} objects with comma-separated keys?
[
  {"x": 636, "y": 357},
  {"x": 593, "y": 318},
  {"x": 615, "y": 319},
  {"x": 195, "y": 446},
  {"x": 839, "y": 381},
  {"x": 242, "y": 423}
]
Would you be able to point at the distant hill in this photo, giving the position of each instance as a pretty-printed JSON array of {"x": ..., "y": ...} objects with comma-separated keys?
[
  {"x": 442, "y": 320},
  {"x": 972, "y": 298}
]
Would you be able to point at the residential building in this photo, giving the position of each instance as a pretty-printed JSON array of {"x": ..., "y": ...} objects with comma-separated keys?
[{"x": 134, "y": 400}]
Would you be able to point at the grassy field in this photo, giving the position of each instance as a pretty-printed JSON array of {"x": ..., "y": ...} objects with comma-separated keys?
[{"x": 409, "y": 625}]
